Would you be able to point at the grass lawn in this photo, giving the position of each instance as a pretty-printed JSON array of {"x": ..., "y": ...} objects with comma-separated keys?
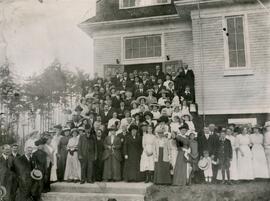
[{"x": 247, "y": 191}]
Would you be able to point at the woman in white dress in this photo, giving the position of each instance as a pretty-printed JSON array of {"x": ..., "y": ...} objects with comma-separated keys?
[
  {"x": 266, "y": 143},
  {"x": 73, "y": 166},
  {"x": 54, "y": 145},
  {"x": 245, "y": 168},
  {"x": 173, "y": 148},
  {"x": 260, "y": 168},
  {"x": 176, "y": 123},
  {"x": 147, "y": 163}
]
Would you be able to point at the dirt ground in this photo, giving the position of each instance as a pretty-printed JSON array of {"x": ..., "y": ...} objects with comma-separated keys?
[{"x": 252, "y": 191}]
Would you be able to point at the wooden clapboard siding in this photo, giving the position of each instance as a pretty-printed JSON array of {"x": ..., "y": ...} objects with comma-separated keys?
[
  {"x": 106, "y": 51},
  {"x": 235, "y": 94},
  {"x": 178, "y": 45}
]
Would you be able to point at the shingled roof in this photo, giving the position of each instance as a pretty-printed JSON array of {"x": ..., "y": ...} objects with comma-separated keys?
[{"x": 108, "y": 10}]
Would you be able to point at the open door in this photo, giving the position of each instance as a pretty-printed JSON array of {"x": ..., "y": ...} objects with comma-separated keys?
[
  {"x": 172, "y": 66},
  {"x": 110, "y": 70}
]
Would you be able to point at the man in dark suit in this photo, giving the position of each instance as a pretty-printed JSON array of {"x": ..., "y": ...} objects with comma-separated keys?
[
  {"x": 106, "y": 114},
  {"x": 23, "y": 166},
  {"x": 159, "y": 73},
  {"x": 208, "y": 142},
  {"x": 14, "y": 151},
  {"x": 87, "y": 154},
  {"x": 140, "y": 91},
  {"x": 224, "y": 155},
  {"x": 188, "y": 78},
  {"x": 7, "y": 177}
]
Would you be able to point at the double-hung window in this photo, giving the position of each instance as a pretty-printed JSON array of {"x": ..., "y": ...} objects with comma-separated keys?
[{"x": 148, "y": 46}]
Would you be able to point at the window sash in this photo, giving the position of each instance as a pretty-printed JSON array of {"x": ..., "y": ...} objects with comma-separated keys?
[
  {"x": 143, "y": 47},
  {"x": 141, "y": 3},
  {"x": 236, "y": 42}
]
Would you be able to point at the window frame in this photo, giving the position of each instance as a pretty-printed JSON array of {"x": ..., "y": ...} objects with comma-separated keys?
[
  {"x": 142, "y": 59},
  {"x": 121, "y": 4},
  {"x": 243, "y": 70}
]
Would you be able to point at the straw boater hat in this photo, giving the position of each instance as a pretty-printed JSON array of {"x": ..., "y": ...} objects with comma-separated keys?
[
  {"x": 141, "y": 97},
  {"x": 267, "y": 124},
  {"x": 3, "y": 192},
  {"x": 163, "y": 91},
  {"x": 36, "y": 174},
  {"x": 203, "y": 164}
]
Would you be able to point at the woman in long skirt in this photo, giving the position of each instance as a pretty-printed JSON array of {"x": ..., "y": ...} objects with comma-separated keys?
[
  {"x": 162, "y": 159},
  {"x": 266, "y": 144},
  {"x": 132, "y": 152},
  {"x": 181, "y": 173},
  {"x": 73, "y": 166},
  {"x": 147, "y": 158},
  {"x": 260, "y": 168},
  {"x": 245, "y": 167},
  {"x": 54, "y": 144},
  {"x": 173, "y": 150}
]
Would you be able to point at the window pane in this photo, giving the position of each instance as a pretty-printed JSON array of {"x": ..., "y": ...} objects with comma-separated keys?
[
  {"x": 239, "y": 24},
  {"x": 150, "y": 42},
  {"x": 232, "y": 42},
  {"x": 128, "y": 53},
  {"x": 136, "y": 53},
  {"x": 241, "y": 59},
  {"x": 143, "y": 52},
  {"x": 150, "y": 52},
  {"x": 157, "y": 41},
  {"x": 230, "y": 26},
  {"x": 143, "y": 46},
  {"x": 157, "y": 51},
  {"x": 233, "y": 58},
  {"x": 240, "y": 41},
  {"x": 143, "y": 42},
  {"x": 136, "y": 43}
]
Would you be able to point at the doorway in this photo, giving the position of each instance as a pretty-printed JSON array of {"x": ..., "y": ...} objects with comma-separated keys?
[{"x": 150, "y": 67}]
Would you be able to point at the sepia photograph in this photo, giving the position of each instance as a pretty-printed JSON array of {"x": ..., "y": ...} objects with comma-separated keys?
[{"x": 134, "y": 100}]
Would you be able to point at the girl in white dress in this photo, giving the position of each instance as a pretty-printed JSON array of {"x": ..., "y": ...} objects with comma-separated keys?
[
  {"x": 73, "y": 166},
  {"x": 245, "y": 167},
  {"x": 147, "y": 163},
  {"x": 260, "y": 168},
  {"x": 176, "y": 123},
  {"x": 185, "y": 108},
  {"x": 177, "y": 112}
]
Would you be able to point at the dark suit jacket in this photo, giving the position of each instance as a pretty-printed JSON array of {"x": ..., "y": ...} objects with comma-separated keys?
[
  {"x": 40, "y": 160},
  {"x": 115, "y": 151},
  {"x": 87, "y": 148},
  {"x": 160, "y": 74},
  {"x": 138, "y": 93},
  {"x": 210, "y": 144},
  {"x": 188, "y": 78},
  {"x": 106, "y": 118},
  {"x": 224, "y": 149}
]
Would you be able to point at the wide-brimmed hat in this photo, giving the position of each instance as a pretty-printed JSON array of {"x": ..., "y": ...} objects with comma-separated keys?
[
  {"x": 267, "y": 124},
  {"x": 148, "y": 90},
  {"x": 163, "y": 91},
  {"x": 78, "y": 108},
  {"x": 58, "y": 126},
  {"x": 74, "y": 130},
  {"x": 81, "y": 128},
  {"x": 41, "y": 141},
  {"x": 141, "y": 97},
  {"x": 154, "y": 105},
  {"x": 134, "y": 101},
  {"x": 203, "y": 164},
  {"x": 163, "y": 119},
  {"x": 65, "y": 128},
  {"x": 112, "y": 128},
  {"x": 133, "y": 127},
  {"x": 144, "y": 124},
  {"x": 36, "y": 174},
  {"x": 184, "y": 126},
  {"x": 148, "y": 113},
  {"x": 3, "y": 191}
]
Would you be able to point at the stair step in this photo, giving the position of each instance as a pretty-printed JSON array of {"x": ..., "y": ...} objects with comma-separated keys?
[
  {"x": 64, "y": 196},
  {"x": 101, "y": 187}
]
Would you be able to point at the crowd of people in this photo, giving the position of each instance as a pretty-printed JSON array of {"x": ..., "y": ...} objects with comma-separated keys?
[{"x": 136, "y": 127}]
